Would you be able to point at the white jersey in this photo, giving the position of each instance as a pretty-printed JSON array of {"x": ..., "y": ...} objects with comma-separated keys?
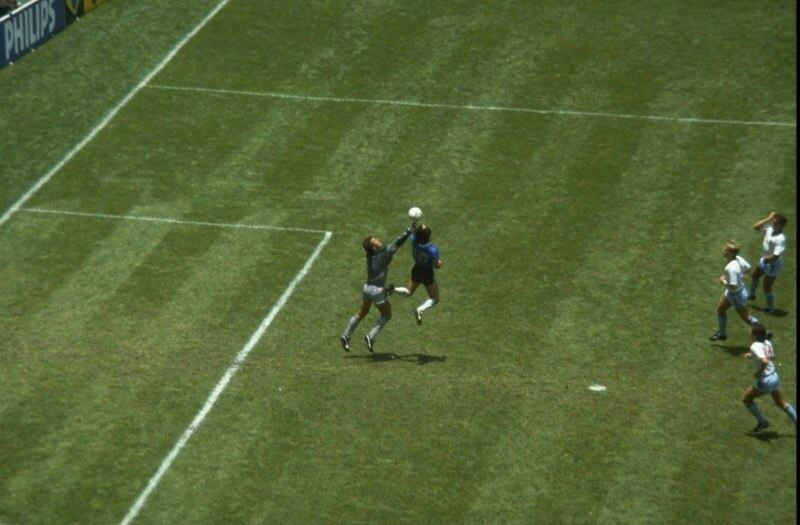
[
  {"x": 734, "y": 273},
  {"x": 761, "y": 351},
  {"x": 774, "y": 243}
]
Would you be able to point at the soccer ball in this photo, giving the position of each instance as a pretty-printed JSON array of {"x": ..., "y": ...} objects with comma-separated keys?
[{"x": 414, "y": 214}]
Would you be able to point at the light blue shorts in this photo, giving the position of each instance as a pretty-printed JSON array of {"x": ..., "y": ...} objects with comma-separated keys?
[
  {"x": 738, "y": 299},
  {"x": 771, "y": 269},
  {"x": 768, "y": 384}
]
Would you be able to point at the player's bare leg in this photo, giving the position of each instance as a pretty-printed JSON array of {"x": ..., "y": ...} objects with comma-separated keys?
[
  {"x": 361, "y": 313},
  {"x": 430, "y": 302},
  {"x": 385, "y": 309}
]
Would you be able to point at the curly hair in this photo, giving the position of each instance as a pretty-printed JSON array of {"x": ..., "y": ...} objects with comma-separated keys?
[{"x": 423, "y": 234}]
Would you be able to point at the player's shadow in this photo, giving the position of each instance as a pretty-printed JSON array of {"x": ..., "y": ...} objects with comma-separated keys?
[
  {"x": 419, "y": 359},
  {"x": 734, "y": 350},
  {"x": 768, "y": 437},
  {"x": 775, "y": 313}
]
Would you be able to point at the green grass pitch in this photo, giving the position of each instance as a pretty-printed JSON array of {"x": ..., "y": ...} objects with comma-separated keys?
[{"x": 579, "y": 249}]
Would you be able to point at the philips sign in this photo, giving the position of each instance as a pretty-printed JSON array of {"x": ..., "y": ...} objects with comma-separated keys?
[{"x": 29, "y": 26}]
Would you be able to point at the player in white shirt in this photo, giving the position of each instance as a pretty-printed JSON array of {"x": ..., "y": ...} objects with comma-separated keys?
[
  {"x": 773, "y": 247},
  {"x": 735, "y": 293},
  {"x": 767, "y": 380}
]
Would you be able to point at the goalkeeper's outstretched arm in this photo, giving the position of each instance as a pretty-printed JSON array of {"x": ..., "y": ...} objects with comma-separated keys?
[{"x": 397, "y": 243}]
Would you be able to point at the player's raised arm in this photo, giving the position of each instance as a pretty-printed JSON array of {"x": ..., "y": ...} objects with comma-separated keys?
[
  {"x": 397, "y": 243},
  {"x": 761, "y": 222}
]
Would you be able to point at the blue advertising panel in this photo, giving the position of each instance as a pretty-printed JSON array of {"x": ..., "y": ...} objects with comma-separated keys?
[{"x": 29, "y": 26}]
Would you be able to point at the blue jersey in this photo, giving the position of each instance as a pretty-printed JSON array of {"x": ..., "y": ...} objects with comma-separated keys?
[{"x": 425, "y": 255}]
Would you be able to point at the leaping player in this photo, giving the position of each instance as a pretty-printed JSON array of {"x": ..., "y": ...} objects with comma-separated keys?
[
  {"x": 426, "y": 260},
  {"x": 375, "y": 289}
]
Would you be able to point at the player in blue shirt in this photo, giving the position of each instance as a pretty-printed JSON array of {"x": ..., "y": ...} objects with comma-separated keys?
[{"x": 426, "y": 260}]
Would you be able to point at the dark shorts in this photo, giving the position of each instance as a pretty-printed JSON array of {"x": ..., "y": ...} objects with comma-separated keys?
[{"x": 421, "y": 274}]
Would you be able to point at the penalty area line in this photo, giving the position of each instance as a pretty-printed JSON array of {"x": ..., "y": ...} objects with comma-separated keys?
[
  {"x": 475, "y": 107},
  {"x": 222, "y": 384},
  {"x": 168, "y": 220}
]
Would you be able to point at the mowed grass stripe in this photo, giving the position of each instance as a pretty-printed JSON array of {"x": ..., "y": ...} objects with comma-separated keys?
[
  {"x": 566, "y": 276},
  {"x": 477, "y": 142},
  {"x": 108, "y": 117},
  {"x": 43, "y": 341},
  {"x": 501, "y": 198},
  {"x": 88, "y": 82},
  {"x": 620, "y": 341},
  {"x": 239, "y": 176},
  {"x": 411, "y": 138},
  {"x": 222, "y": 384},
  {"x": 356, "y": 62},
  {"x": 762, "y": 161},
  {"x": 144, "y": 368}
]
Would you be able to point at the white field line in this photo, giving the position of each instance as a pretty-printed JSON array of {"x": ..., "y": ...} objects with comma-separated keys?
[
  {"x": 222, "y": 384},
  {"x": 110, "y": 115},
  {"x": 474, "y": 107},
  {"x": 171, "y": 221}
]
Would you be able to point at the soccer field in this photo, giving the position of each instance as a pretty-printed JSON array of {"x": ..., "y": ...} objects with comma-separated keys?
[{"x": 184, "y": 189}]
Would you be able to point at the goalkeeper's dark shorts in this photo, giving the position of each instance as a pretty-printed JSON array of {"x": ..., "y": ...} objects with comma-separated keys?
[{"x": 423, "y": 274}]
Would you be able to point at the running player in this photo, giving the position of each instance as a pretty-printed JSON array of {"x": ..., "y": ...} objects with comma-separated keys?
[
  {"x": 426, "y": 259},
  {"x": 767, "y": 381},
  {"x": 375, "y": 289},
  {"x": 735, "y": 293},
  {"x": 770, "y": 264}
]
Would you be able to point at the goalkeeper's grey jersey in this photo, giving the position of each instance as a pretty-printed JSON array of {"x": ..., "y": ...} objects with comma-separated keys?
[{"x": 378, "y": 263}]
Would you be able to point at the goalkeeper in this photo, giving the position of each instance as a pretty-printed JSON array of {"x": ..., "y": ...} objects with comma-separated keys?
[{"x": 375, "y": 289}]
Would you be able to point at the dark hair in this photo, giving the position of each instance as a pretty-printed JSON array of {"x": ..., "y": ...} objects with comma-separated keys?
[
  {"x": 423, "y": 234},
  {"x": 759, "y": 332},
  {"x": 367, "y": 244},
  {"x": 780, "y": 219}
]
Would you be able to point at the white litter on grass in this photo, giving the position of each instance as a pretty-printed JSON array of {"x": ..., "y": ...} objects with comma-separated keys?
[{"x": 597, "y": 388}]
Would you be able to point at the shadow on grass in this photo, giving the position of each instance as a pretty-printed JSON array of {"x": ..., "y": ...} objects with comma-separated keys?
[
  {"x": 775, "y": 313},
  {"x": 768, "y": 437},
  {"x": 735, "y": 350},
  {"x": 419, "y": 359}
]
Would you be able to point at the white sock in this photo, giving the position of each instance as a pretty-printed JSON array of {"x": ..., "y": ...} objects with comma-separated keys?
[
  {"x": 429, "y": 303},
  {"x": 402, "y": 291}
]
